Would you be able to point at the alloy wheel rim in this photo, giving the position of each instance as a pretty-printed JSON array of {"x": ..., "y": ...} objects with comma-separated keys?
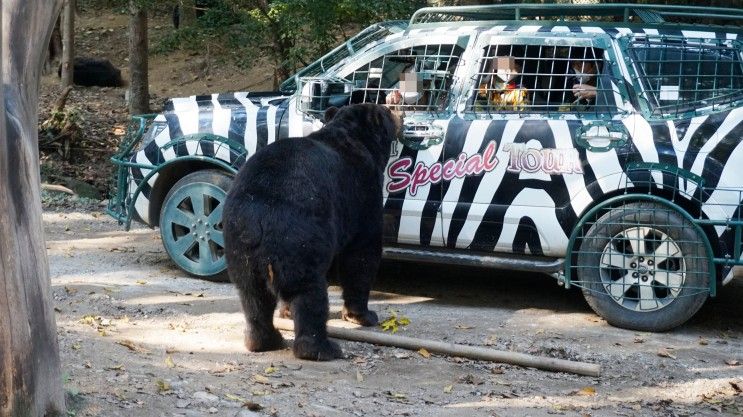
[
  {"x": 642, "y": 269},
  {"x": 192, "y": 229}
]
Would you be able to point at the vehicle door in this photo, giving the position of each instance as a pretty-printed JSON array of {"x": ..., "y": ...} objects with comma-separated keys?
[
  {"x": 538, "y": 148},
  {"x": 416, "y": 75}
]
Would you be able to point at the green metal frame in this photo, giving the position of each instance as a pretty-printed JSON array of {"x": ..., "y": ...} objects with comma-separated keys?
[
  {"x": 618, "y": 201},
  {"x": 645, "y": 13},
  {"x": 121, "y": 203},
  {"x": 642, "y": 192}
]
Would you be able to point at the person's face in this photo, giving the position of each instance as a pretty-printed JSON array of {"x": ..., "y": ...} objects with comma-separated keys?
[{"x": 584, "y": 67}]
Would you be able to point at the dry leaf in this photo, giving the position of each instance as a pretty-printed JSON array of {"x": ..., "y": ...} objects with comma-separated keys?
[
  {"x": 130, "y": 345},
  {"x": 115, "y": 368},
  {"x": 423, "y": 352},
  {"x": 169, "y": 362},
  {"x": 162, "y": 386},
  {"x": 664, "y": 353},
  {"x": 141, "y": 282},
  {"x": 359, "y": 377},
  {"x": 393, "y": 322},
  {"x": 235, "y": 398},
  {"x": 703, "y": 341},
  {"x": 75, "y": 346},
  {"x": 639, "y": 340},
  {"x": 463, "y": 327},
  {"x": 732, "y": 362},
  {"x": 270, "y": 370},
  {"x": 261, "y": 379},
  {"x": 587, "y": 391},
  {"x": 448, "y": 388}
]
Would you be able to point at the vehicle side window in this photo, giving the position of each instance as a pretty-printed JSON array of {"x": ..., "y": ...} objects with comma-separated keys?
[
  {"x": 542, "y": 79},
  {"x": 416, "y": 78},
  {"x": 683, "y": 75}
]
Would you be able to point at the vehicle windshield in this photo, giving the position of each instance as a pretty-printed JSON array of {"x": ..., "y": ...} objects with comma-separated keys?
[{"x": 343, "y": 51}]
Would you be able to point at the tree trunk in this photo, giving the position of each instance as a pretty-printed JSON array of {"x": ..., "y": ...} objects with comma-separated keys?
[
  {"x": 68, "y": 43},
  {"x": 55, "y": 48},
  {"x": 139, "y": 92},
  {"x": 30, "y": 380},
  {"x": 187, "y": 13}
]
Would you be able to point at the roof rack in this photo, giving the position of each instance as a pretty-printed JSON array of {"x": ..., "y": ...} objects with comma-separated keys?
[{"x": 644, "y": 13}]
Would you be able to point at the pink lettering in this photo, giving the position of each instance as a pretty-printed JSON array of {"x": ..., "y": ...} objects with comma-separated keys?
[
  {"x": 422, "y": 175},
  {"x": 400, "y": 178}
]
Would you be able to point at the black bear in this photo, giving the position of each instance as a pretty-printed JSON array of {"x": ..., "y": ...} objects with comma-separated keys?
[
  {"x": 299, "y": 206},
  {"x": 90, "y": 72}
]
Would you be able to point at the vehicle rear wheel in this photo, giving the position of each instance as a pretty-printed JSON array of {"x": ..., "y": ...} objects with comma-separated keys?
[
  {"x": 191, "y": 224},
  {"x": 643, "y": 266}
]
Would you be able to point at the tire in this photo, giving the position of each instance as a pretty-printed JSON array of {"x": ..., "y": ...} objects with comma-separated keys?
[
  {"x": 192, "y": 235},
  {"x": 643, "y": 266}
]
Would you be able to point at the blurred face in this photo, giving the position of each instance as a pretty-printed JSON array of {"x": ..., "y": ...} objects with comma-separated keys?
[{"x": 584, "y": 67}]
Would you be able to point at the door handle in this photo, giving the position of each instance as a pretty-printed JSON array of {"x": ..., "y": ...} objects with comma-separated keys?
[
  {"x": 421, "y": 135},
  {"x": 601, "y": 136}
]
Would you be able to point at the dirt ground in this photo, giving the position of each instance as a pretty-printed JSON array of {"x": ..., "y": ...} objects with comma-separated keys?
[{"x": 138, "y": 337}]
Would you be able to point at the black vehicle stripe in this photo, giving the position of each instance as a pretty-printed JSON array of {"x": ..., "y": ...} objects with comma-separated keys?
[
  {"x": 527, "y": 235},
  {"x": 471, "y": 184},
  {"x": 704, "y": 132},
  {"x": 261, "y": 128},
  {"x": 174, "y": 125}
]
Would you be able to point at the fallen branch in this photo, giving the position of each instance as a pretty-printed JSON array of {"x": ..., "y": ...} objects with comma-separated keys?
[
  {"x": 58, "y": 188},
  {"x": 471, "y": 352}
]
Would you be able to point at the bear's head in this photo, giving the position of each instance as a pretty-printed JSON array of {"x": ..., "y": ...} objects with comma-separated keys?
[{"x": 377, "y": 125}]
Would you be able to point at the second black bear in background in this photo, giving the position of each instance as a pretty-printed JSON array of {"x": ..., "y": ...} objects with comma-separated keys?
[
  {"x": 299, "y": 206},
  {"x": 90, "y": 72}
]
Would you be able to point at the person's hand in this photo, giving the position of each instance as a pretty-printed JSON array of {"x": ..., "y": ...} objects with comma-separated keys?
[
  {"x": 584, "y": 91},
  {"x": 393, "y": 98}
]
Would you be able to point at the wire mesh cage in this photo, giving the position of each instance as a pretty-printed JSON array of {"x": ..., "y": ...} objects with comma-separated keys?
[
  {"x": 543, "y": 78},
  {"x": 643, "y": 255},
  {"x": 417, "y": 78},
  {"x": 680, "y": 75},
  {"x": 664, "y": 239}
]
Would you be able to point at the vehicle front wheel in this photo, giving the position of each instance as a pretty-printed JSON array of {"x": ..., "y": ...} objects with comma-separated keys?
[
  {"x": 643, "y": 266},
  {"x": 191, "y": 224}
]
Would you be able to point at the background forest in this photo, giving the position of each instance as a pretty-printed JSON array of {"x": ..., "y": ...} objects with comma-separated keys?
[{"x": 196, "y": 47}]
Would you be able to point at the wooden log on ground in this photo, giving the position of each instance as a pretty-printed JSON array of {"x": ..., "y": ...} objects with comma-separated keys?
[{"x": 452, "y": 349}]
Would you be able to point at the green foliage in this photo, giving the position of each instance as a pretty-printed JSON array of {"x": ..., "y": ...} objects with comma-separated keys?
[{"x": 291, "y": 33}]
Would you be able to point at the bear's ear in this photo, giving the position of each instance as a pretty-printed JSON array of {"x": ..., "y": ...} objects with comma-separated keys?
[{"x": 330, "y": 113}]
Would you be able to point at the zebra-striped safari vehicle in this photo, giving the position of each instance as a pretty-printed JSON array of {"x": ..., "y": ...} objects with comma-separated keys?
[{"x": 600, "y": 144}]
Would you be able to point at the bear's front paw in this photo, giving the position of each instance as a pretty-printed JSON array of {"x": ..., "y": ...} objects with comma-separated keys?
[
  {"x": 263, "y": 342},
  {"x": 368, "y": 318},
  {"x": 316, "y": 350}
]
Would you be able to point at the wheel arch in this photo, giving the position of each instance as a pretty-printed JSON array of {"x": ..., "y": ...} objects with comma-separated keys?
[
  {"x": 172, "y": 172},
  {"x": 690, "y": 206}
]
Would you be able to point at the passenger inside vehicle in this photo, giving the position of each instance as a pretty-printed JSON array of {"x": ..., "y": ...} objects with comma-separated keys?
[
  {"x": 583, "y": 78},
  {"x": 501, "y": 87},
  {"x": 424, "y": 89}
]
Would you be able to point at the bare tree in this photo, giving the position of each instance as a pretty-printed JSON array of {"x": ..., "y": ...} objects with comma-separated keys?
[
  {"x": 139, "y": 92},
  {"x": 68, "y": 42},
  {"x": 30, "y": 380},
  {"x": 187, "y": 13}
]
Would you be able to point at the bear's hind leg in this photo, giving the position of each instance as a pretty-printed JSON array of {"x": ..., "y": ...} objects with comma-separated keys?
[
  {"x": 259, "y": 303},
  {"x": 309, "y": 308},
  {"x": 358, "y": 270}
]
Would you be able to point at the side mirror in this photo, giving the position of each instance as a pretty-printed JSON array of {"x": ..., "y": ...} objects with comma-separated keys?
[{"x": 318, "y": 94}]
